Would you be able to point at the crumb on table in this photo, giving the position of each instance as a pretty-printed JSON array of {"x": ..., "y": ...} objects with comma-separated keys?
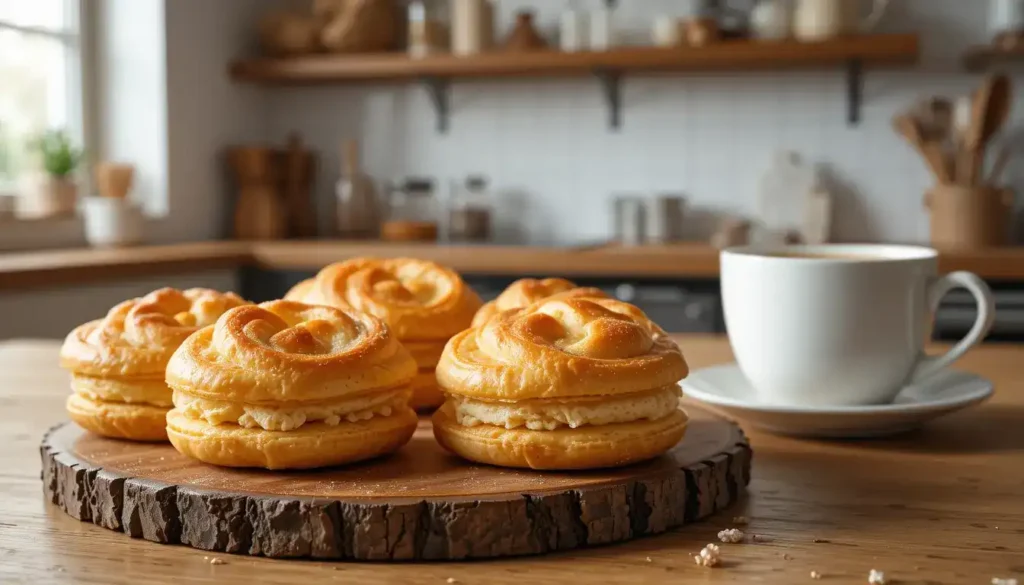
[
  {"x": 709, "y": 556},
  {"x": 731, "y": 535},
  {"x": 876, "y": 577},
  {"x": 815, "y": 575}
]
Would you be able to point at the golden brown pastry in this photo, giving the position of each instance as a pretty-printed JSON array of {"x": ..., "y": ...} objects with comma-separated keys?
[
  {"x": 569, "y": 382},
  {"x": 423, "y": 303},
  {"x": 117, "y": 363},
  {"x": 286, "y": 385},
  {"x": 527, "y": 291}
]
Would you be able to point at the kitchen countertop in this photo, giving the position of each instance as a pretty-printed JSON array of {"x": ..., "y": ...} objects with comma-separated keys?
[
  {"x": 21, "y": 270},
  {"x": 941, "y": 505}
]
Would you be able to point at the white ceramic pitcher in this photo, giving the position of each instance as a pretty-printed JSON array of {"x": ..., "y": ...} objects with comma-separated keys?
[{"x": 819, "y": 20}]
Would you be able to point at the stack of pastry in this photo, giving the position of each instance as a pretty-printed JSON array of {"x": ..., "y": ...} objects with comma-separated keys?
[
  {"x": 527, "y": 291},
  {"x": 286, "y": 385},
  {"x": 423, "y": 303},
  {"x": 117, "y": 363},
  {"x": 569, "y": 382}
]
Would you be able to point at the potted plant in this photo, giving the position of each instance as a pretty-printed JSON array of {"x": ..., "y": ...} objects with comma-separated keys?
[{"x": 53, "y": 191}]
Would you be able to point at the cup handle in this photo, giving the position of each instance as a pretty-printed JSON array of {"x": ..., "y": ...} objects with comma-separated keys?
[{"x": 929, "y": 365}]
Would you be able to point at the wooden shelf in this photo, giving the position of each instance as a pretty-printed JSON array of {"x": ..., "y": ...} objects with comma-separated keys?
[
  {"x": 724, "y": 56},
  {"x": 436, "y": 72},
  {"x": 981, "y": 58}
]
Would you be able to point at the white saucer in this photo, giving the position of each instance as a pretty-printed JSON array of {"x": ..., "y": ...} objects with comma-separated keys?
[{"x": 726, "y": 388}]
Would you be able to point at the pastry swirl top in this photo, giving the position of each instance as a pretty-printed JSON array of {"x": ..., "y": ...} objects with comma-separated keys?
[
  {"x": 526, "y": 291},
  {"x": 138, "y": 337},
  {"x": 419, "y": 300},
  {"x": 563, "y": 346},
  {"x": 285, "y": 352}
]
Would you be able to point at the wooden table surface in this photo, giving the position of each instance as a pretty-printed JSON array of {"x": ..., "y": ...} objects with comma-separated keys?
[
  {"x": 23, "y": 270},
  {"x": 942, "y": 505}
]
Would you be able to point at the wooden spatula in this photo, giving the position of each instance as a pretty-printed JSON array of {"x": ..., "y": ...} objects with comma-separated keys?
[
  {"x": 935, "y": 119},
  {"x": 911, "y": 130},
  {"x": 989, "y": 110}
]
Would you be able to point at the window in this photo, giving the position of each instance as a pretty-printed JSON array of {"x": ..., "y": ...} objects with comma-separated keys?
[{"x": 40, "y": 79}]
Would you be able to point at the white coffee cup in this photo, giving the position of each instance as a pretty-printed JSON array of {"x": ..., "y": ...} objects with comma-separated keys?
[{"x": 839, "y": 324}]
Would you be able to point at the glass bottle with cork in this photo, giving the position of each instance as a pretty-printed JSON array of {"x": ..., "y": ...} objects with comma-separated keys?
[{"x": 357, "y": 209}]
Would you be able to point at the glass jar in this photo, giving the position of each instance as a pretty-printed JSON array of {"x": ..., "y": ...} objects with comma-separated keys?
[
  {"x": 469, "y": 211},
  {"x": 412, "y": 212},
  {"x": 427, "y": 32}
]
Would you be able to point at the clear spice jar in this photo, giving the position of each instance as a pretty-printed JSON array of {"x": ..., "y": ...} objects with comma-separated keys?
[
  {"x": 469, "y": 211},
  {"x": 412, "y": 212}
]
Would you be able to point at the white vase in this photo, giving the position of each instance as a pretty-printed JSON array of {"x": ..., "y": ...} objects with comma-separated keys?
[
  {"x": 572, "y": 28},
  {"x": 602, "y": 30},
  {"x": 111, "y": 222}
]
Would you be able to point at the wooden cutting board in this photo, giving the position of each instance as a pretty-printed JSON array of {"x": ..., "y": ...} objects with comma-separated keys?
[{"x": 418, "y": 504}]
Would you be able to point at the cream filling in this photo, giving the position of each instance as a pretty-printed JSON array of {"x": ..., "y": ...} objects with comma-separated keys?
[
  {"x": 153, "y": 391},
  {"x": 291, "y": 417},
  {"x": 551, "y": 414}
]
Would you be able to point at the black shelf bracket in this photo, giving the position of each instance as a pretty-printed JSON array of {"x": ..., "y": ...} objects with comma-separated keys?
[
  {"x": 854, "y": 91},
  {"x": 439, "y": 92},
  {"x": 611, "y": 88}
]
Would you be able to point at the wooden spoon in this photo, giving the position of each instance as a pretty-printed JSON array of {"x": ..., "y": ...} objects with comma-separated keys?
[
  {"x": 989, "y": 110},
  {"x": 910, "y": 128},
  {"x": 935, "y": 119},
  {"x": 961, "y": 126}
]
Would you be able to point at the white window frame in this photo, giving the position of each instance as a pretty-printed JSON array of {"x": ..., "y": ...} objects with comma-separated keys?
[{"x": 80, "y": 83}]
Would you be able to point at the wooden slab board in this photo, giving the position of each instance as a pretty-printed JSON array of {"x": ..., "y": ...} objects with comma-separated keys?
[{"x": 419, "y": 504}]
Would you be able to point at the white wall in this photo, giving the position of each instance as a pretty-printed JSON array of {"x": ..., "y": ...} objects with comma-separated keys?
[
  {"x": 206, "y": 112},
  {"x": 547, "y": 146}
]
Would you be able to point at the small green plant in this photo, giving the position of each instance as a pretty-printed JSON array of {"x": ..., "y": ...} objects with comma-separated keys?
[{"x": 60, "y": 157}]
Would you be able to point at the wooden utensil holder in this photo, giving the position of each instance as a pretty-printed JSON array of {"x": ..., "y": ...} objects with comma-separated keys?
[
  {"x": 964, "y": 218},
  {"x": 259, "y": 211}
]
